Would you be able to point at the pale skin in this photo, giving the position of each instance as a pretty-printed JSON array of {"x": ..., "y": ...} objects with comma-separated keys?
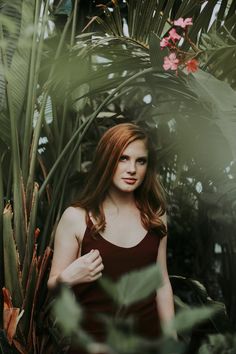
[{"x": 121, "y": 214}]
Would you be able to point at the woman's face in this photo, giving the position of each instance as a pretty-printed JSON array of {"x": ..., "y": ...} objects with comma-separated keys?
[{"x": 132, "y": 167}]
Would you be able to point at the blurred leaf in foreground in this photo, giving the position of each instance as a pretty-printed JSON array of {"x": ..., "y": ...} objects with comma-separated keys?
[
  {"x": 133, "y": 286},
  {"x": 188, "y": 318},
  {"x": 67, "y": 312}
]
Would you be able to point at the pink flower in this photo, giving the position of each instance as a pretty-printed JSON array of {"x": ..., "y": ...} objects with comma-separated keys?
[
  {"x": 171, "y": 62},
  {"x": 165, "y": 42},
  {"x": 183, "y": 23},
  {"x": 174, "y": 36},
  {"x": 192, "y": 65}
]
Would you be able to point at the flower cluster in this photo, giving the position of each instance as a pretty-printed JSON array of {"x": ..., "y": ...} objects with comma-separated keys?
[{"x": 178, "y": 57}]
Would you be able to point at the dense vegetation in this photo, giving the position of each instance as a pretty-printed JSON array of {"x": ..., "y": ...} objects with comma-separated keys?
[{"x": 68, "y": 70}]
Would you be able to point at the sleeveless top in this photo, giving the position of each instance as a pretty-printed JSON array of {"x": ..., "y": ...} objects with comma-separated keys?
[{"x": 117, "y": 261}]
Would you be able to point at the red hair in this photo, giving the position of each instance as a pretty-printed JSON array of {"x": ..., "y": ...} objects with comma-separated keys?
[{"x": 149, "y": 195}]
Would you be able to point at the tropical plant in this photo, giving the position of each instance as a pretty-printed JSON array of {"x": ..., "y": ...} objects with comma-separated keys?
[
  {"x": 47, "y": 110},
  {"x": 121, "y": 336},
  {"x": 25, "y": 111},
  {"x": 193, "y": 120}
]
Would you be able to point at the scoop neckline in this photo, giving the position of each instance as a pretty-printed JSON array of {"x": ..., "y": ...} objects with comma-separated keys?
[
  {"x": 113, "y": 244},
  {"x": 127, "y": 248}
]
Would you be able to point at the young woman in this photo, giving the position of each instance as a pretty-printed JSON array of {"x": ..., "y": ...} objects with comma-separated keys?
[{"x": 117, "y": 226}]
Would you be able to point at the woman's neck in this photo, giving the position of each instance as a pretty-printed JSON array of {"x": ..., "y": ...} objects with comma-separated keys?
[{"x": 119, "y": 199}]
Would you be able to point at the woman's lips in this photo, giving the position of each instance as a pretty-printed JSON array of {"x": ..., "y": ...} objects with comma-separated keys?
[{"x": 129, "y": 180}]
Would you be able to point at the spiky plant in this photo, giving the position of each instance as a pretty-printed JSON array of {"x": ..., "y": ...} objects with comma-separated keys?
[{"x": 39, "y": 99}]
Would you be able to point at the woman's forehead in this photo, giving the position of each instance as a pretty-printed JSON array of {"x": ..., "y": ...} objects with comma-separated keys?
[{"x": 137, "y": 147}]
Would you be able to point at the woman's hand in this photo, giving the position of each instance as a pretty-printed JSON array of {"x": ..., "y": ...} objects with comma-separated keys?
[{"x": 84, "y": 269}]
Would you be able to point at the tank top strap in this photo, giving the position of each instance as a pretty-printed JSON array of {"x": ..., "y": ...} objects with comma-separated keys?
[{"x": 88, "y": 231}]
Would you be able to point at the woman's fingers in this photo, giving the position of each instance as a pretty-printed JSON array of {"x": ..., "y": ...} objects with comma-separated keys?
[
  {"x": 100, "y": 268},
  {"x": 97, "y": 276},
  {"x": 97, "y": 262},
  {"x": 97, "y": 270},
  {"x": 92, "y": 255}
]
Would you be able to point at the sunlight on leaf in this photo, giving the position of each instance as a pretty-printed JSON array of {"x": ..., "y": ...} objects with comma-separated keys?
[
  {"x": 134, "y": 286},
  {"x": 67, "y": 312},
  {"x": 188, "y": 318}
]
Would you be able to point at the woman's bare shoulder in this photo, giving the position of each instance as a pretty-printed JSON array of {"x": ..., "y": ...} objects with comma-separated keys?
[
  {"x": 73, "y": 219},
  {"x": 73, "y": 213}
]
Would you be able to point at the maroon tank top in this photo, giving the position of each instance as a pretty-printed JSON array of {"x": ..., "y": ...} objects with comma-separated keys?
[{"x": 117, "y": 261}]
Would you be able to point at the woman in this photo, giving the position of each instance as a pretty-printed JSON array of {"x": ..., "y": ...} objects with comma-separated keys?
[{"x": 117, "y": 226}]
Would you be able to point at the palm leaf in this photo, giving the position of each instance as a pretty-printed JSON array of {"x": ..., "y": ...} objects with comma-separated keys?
[
  {"x": 10, "y": 23},
  {"x": 20, "y": 61},
  {"x": 220, "y": 48}
]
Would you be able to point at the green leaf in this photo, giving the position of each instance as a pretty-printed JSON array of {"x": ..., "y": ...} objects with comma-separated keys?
[
  {"x": 134, "y": 286},
  {"x": 11, "y": 260},
  {"x": 156, "y": 54},
  {"x": 19, "y": 69},
  {"x": 30, "y": 239},
  {"x": 5, "y": 129},
  {"x": 29, "y": 287},
  {"x": 221, "y": 99},
  {"x": 123, "y": 342},
  {"x": 67, "y": 312},
  {"x": 186, "y": 319}
]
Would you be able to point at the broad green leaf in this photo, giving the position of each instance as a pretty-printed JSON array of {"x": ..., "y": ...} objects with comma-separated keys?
[
  {"x": 19, "y": 69},
  {"x": 156, "y": 54},
  {"x": 67, "y": 312},
  {"x": 186, "y": 319},
  {"x": 220, "y": 98},
  {"x": 123, "y": 342},
  {"x": 10, "y": 19},
  {"x": 133, "y": 286}
]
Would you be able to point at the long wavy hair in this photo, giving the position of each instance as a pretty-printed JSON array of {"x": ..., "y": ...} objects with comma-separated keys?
[{"x": 149, "y": 196}]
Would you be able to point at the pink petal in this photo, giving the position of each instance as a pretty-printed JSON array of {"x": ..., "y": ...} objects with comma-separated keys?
[
  {"x": 174, "y": 35},
  {"x": 172, "y": 57},
  {"x": 188, "y": 21},
  {"x": 183, "y": 22},
  {"x": 166, "y": 66},
  {"x": 164, "y": 42},
  {"x": 179, "y": 22}
]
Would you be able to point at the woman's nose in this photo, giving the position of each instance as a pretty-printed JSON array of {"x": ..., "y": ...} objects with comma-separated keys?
[{"x": 132, "y": 167}]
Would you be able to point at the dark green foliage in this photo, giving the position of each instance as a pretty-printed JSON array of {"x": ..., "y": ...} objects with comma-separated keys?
[
  {"x": 75, "y": 96},
  {"x": 121, "y": 336}
]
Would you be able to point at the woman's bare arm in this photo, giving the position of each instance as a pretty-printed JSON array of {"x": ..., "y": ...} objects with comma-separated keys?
[
  {"x": 67, "y": 267},
  {"x": 164, "y": 298}
]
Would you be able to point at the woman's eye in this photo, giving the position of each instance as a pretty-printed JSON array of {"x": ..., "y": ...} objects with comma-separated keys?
[
  {"x": 142, "y": 161},
  {"x": 123, "y": 158}
]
